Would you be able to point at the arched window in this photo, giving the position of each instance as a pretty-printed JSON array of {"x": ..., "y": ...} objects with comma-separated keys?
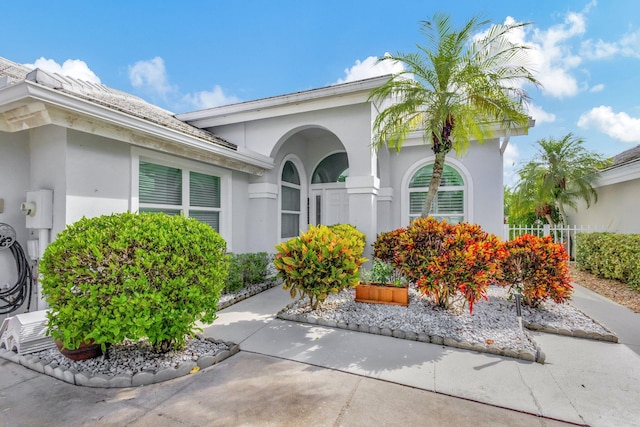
[
  {"x": 449, "y": 202},
  {"x": 290, "y": 201},
  {"x": 333, "y": 168}
]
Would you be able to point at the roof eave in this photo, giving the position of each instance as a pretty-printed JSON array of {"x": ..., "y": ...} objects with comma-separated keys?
[
  {"x": 12, "y": 96},
  {"x": 342, "y": 94}
]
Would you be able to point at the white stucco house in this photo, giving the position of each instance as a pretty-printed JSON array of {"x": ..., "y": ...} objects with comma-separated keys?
[
  {"x": 618, "y": 204},
  {"x": 257, "y": 171}
]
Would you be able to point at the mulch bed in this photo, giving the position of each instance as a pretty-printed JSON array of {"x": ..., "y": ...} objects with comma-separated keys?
[{"x": 614, "y": 290}]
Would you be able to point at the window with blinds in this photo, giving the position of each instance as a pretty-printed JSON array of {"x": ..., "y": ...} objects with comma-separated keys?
[
  {"x": 290, "y": 192},
  {"x": 177, "y": 191},
  {"x": 449, "y": 201}
]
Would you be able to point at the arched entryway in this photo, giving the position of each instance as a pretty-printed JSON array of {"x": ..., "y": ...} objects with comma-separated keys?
[
  {"x": 329, "y": 201},
  {"x": 312, "y": 166}
]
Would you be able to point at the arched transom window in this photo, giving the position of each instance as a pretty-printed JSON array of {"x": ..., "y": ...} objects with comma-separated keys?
[
  {"x": 290, "y": 201},
  {"x": 333, "y": 168},
  {"x": 449, "y": 202}
]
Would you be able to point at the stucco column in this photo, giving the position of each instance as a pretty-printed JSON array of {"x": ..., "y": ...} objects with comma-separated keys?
[
  {"x": 261, "y": 219},
  {"x": 363, "y": 213}
]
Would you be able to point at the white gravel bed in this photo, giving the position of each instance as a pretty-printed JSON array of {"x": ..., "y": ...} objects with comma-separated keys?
[
  {"x": 493, "y": 322},
  {"x": 131, "y": 357}
]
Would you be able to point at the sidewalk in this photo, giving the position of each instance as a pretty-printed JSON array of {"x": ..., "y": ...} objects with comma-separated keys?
[
  {"x": 292, "y": 374},
  {"x": 582, "y": 381}
]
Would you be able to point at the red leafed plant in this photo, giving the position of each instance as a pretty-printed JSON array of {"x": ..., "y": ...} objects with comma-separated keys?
[
  {"x": 536, "y": 268},
  {"x": 449, "y": 261},
  {"x": 386, "y": 244}
]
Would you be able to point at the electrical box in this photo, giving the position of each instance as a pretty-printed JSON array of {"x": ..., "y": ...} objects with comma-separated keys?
[{"x": 39, "y": 209}]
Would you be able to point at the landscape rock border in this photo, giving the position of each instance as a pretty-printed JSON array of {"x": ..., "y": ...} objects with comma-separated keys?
[
  {"x": 537, "y": 356},
  {"x": 524, "y": 354},
  {"x": 87, "y": 379},
  {"x": 81, "y": 378}
]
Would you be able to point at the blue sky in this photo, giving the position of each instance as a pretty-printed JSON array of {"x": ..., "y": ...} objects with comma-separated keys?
[{"x": 190, "y": 55}]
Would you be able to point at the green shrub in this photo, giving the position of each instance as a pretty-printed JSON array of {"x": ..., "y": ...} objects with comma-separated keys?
[
  {"x": 132, "y": 276},
  {"x": 612, "y": 256},
  {"x": 318, "y": 262},
  {"x": 536, "y": 268},
  {"x": 359, "y": 240},
  {"x": 247, "y": 269}
]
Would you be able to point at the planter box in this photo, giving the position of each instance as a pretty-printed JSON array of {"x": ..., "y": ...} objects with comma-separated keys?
[{"x": 382, "y": 294}]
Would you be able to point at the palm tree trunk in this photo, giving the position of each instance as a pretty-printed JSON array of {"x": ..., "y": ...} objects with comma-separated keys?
[
  {"x": 434, "y": 184},
  {"x": 563, "y": 214}
]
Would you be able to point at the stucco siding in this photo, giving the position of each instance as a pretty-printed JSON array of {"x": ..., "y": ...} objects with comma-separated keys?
[
  {"x": 98, "y": 176},
  {"x": 616, "y": 209},
  {"x": 14, "y": 183},
  {"x": 483, "y": 165}
]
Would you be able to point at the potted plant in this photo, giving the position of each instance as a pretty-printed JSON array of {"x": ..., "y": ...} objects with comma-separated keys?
[{"x": 382, "y": 284}]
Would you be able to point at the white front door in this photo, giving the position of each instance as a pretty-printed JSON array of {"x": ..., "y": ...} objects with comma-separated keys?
[{"x": 329, "y": 205}]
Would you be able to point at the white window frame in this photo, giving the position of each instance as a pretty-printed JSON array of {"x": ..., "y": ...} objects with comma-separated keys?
[
  {"x": 303, "y": 220},
  {"x": 186, "y": 166},
  {"x": 467, "y": 188}
]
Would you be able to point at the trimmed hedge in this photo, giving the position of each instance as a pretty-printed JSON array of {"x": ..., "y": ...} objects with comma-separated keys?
[
  {"x": 132, "y": 276},
  {"x": 609, "y": 255},
  {"x": 247, "y": 269}
]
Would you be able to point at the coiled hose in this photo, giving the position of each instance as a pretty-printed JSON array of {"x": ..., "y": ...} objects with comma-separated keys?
[{"x": 11, "y": 299}]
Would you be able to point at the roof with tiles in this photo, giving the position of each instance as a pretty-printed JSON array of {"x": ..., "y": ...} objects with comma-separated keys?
[
  {"x": 108, "y": 97},
  {"x": 627, "y": 156}
]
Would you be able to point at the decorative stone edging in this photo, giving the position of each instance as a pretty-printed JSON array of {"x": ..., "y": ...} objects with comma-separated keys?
[
  {"x": 248, "y": 293},
  {"x": 576, "y": 333},
  {"x": 88, "y": 379},
  {"x": 528, "y": 355}
]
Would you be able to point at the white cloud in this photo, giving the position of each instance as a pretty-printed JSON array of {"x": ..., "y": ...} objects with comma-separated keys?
[
  {"x": 150, "y": 75},
  {"x": 510, "y": 159},
  {"x": 209, "y": 99},
  {"x": 541, "y": 116},
  {"x": 628, "y": 45},
  {"x": 597, "y": 88},
  {"x": 370, "y": 67},
  {"x": 620, "y": 126},
  {"x": 71, "y": 67}
]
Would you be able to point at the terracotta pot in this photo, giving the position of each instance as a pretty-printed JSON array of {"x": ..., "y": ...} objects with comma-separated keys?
[
  {"x": 383, "y": 294},
  {"x": 84, "y": 352}
]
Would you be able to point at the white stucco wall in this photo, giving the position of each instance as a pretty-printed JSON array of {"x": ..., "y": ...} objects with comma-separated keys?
[
  {"x": 616, "y": 209},
  {"x": 98, "y": 176},
  {"x": 48, "y": 147},
  {"x": 483, "y": 164},
  {"x": 14, "y": 183}
]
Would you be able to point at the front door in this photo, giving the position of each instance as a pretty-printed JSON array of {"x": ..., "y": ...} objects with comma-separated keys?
[{"x": 329, "y": 204}]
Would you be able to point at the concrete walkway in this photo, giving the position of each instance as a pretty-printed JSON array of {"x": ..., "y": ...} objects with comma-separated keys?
[
  {"x": 296, "y": 374},
  {"x": 582, "y": 381}
]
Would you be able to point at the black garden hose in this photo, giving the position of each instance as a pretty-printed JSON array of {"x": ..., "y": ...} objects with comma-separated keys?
[{"x": 11, "y": 299}]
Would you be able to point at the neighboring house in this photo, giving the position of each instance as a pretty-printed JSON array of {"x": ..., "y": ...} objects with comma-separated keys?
[
  {"x": 258, "y": 171},
  {"x": 618, "y": 204}
]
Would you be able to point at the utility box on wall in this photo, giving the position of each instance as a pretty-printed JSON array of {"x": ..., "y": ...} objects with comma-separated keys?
[{"x": 40, "y": 209}]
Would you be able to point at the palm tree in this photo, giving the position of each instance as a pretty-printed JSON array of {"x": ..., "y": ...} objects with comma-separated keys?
[
  {"x": 561, "y": 173},
  {"x": 454, "y": 89}
]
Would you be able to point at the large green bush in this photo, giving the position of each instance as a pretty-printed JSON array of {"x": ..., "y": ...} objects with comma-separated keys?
[
  {"x": 319, "y": 262},
  {"x": 132, "y": 276},
  {"x": 612, "y": 256}
]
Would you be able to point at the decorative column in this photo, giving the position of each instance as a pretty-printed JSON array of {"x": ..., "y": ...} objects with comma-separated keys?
[{"x": 363, "y": 212}]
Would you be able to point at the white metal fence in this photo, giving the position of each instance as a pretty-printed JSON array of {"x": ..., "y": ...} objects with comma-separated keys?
[{"x": 565, "y": 235}]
